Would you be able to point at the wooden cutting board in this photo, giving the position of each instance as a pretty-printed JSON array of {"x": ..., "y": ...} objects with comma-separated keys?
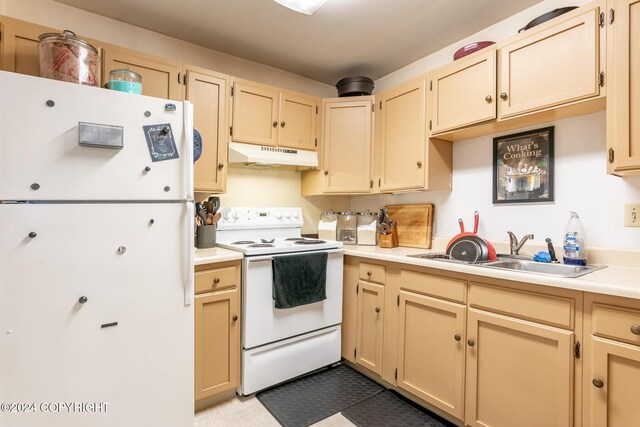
[{"x": 414, "y": 223}]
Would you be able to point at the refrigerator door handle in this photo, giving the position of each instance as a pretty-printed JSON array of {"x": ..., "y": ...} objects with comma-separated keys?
[
  {"x": 188, "y": 130},
  {"x": 188, "y": 291}
]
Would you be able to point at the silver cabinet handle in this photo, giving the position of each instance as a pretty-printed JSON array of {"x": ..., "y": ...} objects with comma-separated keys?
[
  {"x": 503, "y": 95},
  {"x": 488, "y": 98},
  {"x": 635, "y": 329}
]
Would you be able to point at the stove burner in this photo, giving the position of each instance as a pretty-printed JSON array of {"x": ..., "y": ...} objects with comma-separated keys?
[
  {"x": 243, "y": 242},
  {"x": 261, "y": 245},
  {"x": 294, "y": 239},
  {"x": 308, "y": 242},
  {"x": 267, "y": 241}
]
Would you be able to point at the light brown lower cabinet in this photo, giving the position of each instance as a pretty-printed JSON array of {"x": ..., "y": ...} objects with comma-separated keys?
[
  {"x": 369, "y": 326},
  {"x": 484, "y": 354},
  {"x": 519, "y": 373},
  {"x": 431, "y": 350},
  {"x": 612, "y": 376},
  {"x": 217, "y": 329}
]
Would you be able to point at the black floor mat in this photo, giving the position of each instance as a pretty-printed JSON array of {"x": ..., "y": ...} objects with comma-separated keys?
[
  {"x": 390, "y": 409},
  {"x": 310, "y": 399}
]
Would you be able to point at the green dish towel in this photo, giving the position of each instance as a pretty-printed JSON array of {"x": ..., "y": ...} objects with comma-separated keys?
[{"x": 299, "y": 279}]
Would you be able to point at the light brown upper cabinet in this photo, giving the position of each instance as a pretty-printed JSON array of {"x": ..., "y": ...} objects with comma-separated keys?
[
  {"x": 266, "y": 115},
  {"x": 347, "y": 144},
  {"x": 403, "y": 136},
  {"x": 19, "y": 45},
  {"x": 554, "y": 64},
  {"x": 207, "y": 91},
  {"x": 463, "y": 93},
  {"x": 161, "y": 77},
  {"x": 407, "y": 158},
  {"x": 623, "y": 96}
]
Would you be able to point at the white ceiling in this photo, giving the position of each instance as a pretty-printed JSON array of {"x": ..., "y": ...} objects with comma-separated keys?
[{"x": 342, "y": 38}]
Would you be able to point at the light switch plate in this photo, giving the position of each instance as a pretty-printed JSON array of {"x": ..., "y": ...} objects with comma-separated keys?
[{"x": 632, "y": 215}]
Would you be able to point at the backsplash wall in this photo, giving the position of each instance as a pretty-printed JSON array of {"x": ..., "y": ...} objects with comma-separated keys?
[
  {"x": 277, "y": 187},
  {"x": 581, "y": 184}
]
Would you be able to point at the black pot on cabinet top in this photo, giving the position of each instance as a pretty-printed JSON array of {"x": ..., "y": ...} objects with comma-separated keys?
[{"x": 354, "y": 86}]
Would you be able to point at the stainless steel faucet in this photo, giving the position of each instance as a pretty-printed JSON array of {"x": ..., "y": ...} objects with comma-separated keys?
[{"x": 514, "y": 244}]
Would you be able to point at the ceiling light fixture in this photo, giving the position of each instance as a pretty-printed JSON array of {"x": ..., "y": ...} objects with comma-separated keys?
[{"x": 303, "y": 6}]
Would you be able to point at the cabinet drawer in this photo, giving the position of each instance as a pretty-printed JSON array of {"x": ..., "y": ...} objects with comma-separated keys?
[
  {"x": 438, "y": 286},
  {"x": 214, "y": 279},
  {"x": 616, "y": 323},
  {"x": 372, "y": 272},
  {"x": 540, "y": 308}
]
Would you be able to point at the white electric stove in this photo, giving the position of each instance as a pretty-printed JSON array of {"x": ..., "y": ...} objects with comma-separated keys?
[
  {"x": 260, "y": 231},
  {"x": 281, "y": 344}
]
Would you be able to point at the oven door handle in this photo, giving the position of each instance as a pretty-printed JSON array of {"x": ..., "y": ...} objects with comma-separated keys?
[{"x": 331, "y": 251}]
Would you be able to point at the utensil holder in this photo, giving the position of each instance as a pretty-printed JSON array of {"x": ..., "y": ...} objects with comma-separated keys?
[
  {"x": 206, "y": 236},
  {"x": 389, "y": 240}
]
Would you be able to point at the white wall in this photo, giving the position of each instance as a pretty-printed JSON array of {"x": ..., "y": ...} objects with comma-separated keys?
[
  {"x": 581, "y": 182},
  {"x": 277, "y": 187}
]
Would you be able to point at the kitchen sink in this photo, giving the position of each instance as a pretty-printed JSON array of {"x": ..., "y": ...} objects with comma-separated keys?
[
  {"x": 521, "y": 264},
  {"x": 529, "y": 266}
]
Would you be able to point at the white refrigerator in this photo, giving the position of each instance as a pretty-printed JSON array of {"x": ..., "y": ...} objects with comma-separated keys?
[{"x": 96, "y": 259}]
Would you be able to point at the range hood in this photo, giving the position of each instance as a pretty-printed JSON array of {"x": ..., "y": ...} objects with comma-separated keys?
[{"x": 250, "y": 154}]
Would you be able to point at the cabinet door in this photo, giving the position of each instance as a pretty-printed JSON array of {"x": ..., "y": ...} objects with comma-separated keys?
[
  {"x": 207, "y": 92},
  {"x": 519, "y": 373},
  {"x": 403, "y": 137},
  {"x": 159, "y": 75},
  {"x": 623, "y": 98},
  {"x": 463, "y": 92},
  {"x": 297, "y": 121},
  {"x": 349, "y": 311},
  {"x": 217, "y": 343},
  {"x": 431, "y": 351},
  {"x": 347, "y": 146},
  {"x": 370, "y": 322},
  {"x": 255, "y": 114},
  {"x": 20, "y": 46},
  {"x": 554, "y": 66},
  {"x": 614, "y": 401}
]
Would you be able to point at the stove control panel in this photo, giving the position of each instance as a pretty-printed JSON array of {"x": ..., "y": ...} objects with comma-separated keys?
[{"x": 241, "y": 218}]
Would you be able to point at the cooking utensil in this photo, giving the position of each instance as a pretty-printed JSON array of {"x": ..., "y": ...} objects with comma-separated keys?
[
  {"x": 552, "y": 252},
  {"x": 547, "y": 16},
  {"x": 414, "y": 224},
  {"x": 216, "y": 217},
  {"x": 470, "y": 48},
  {"x": 473, "y": 244},
  {"x": 216, "y": 204},
  {"x": 354, "y": 86}
]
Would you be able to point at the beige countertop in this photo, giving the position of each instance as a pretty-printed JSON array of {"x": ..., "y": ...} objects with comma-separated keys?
[
  {"x": 621, "y": 281},
  {"x": 213, "y": 255}
]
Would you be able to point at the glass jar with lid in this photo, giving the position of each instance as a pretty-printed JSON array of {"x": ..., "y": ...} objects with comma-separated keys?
[
  {"x": 347, "y": 228},
  {"x": 367, "y": 234},
  {"x": 125, "y": 81},
  {"x": 328, "y": 225}
]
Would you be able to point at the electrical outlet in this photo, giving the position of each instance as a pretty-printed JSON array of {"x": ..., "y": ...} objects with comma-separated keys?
[{"x": 632, "y": 215}]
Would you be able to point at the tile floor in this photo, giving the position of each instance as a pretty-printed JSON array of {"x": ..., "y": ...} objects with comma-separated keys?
[{"x": 249, "y": 412}]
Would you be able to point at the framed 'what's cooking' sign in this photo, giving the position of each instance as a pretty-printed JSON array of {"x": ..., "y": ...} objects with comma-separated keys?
[{"x": 523, "y": 167}]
